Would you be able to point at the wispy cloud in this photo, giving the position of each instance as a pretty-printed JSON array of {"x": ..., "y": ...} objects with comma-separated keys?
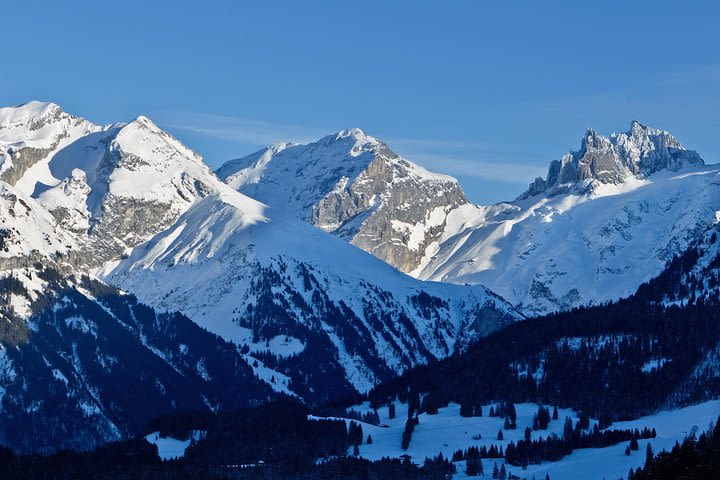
[
  {"x": 415, "y": 144},
  {"x": 692, "y": 76},
  {"x": 489, "y": 169},
  {"x": 241, "y": 130},
  {"x": 459, "y": 157}
]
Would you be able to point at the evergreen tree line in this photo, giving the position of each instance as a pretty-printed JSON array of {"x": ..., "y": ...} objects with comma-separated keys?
[
  {"x": 478, "y": 452},
  {"x": 696, "y": 458},
  {"x": 553, "y": 448},
  {"x": 604, "y": 376},
  {"x": 271, "y": 441},
  {"x": 137, "y": 460},
  {"x": 368, "y": 417}
]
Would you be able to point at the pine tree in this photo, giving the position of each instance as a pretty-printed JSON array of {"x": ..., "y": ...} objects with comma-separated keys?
[
  {"x": 584, "y": 422},
  {"x": 391, "y": 410},
  {"x": 500, "y": 435},
  {"x": 648, "y": 456},
  {"x": 503, "y": 473},
  {"x": 413, "y": 403},
  {"x": 541, "y": 419},
  {"x": 555, "y": 413},
  {"x": 473, "y": 467},
  {"x": 356, "y": 450},
  {"x": 495, "y": 472},
  {"x": 568, "y": 431},
  {"x": 407, "y": 433},
  {"x": 527, "y": 434},
  {"x": 369, "y": 439},
  {"x": 355, "y": 433}
]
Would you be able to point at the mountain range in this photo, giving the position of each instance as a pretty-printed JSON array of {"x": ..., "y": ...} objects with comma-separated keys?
[{"x": 133, "y": 271}]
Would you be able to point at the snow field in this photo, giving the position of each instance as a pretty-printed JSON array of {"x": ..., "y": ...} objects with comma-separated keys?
[{"x": 447, "y": 432}]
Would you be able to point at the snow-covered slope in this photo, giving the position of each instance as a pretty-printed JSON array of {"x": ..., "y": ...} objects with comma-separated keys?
[
  {"x": 584, "y": 240},
  {"x": 81, "y": 363},
  {"x": 27, "y": 229},
  {"x": 353, "y": 185},
  {"x": 336, "y": 306},
  {"x": 89, "y": 364},
  {"x": 447, "y": 432},
  {"x": 34, "y": 132}
]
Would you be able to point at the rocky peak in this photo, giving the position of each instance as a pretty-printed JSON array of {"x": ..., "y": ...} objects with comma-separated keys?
[
  {"x": 31, "y": 115},
  {"x": 33, "y": 131},
  {"x": 638, "y": 153},
  {"x": 353, "y": 185},
  {"x": 112, "y": 186}
]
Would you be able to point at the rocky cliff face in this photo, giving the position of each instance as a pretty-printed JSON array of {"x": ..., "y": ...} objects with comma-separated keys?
[
  {"x": 353, "y": 185},
  {"x": 639, "y": 152}
]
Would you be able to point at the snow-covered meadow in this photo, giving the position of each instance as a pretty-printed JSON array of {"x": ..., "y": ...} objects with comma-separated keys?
[{"x": 447, "y": 432}]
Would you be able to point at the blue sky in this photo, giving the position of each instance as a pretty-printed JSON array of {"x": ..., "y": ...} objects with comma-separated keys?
[{"x": 488, "y": 93}]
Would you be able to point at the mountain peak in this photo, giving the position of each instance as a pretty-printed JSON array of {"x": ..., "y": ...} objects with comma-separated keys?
[
  {"x": 353, "y": 141},
  {"x": 32, "y": 115},
  {"x": 638, "y": 153},
  {"x": 351, "y": 132},
  {"x": 635, "y": 125},
  {"x": 356, "y": 134},
  {"x": 142, "y": 119},
  {"x": 354, "y": 185},
  {"x": 36, "y": 108}
]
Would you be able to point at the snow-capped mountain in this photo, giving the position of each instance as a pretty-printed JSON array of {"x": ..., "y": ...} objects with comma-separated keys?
[
  {"x": 278, "y": 305},
  {"x": 300, "y": 298},
  {"x": 81, "y": 363},
  {"x": 111, "y": 186},
  {"x": 607, "y": 217},
  {"x": 353, "y": 185},
  {"x": 276, "y": 296}
]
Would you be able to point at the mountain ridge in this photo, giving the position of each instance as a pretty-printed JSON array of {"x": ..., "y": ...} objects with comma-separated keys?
[{"x": 431, "y": 231}]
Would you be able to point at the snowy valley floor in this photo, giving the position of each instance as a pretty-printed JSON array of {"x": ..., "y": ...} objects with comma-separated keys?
[{"x": 447, "y": 432}]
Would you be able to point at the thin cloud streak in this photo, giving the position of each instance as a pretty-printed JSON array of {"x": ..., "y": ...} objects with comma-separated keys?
[
  {"x": 419, "y": 150},
  {"x": 259, "y": 132},
  {"x": 496, "y": 170},
  {"x": 435, "y": 143},
  {"x": 241, "y": 130}
]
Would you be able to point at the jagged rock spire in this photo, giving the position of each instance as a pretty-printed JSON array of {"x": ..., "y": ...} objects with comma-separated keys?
[{"x": 639, "y": 152}]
